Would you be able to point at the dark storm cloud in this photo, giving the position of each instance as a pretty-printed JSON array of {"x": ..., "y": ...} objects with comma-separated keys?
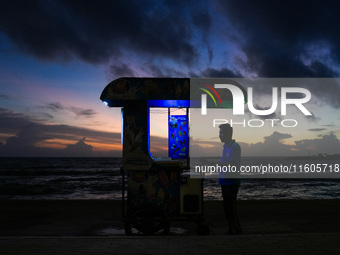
[
  {"x": 96, "y": 31},
  {"x": 162, "y": 71},
  {"x": 312, "y": 118},
  {"x": 276, "y": 35},
  {"x": 34, "y": 130},
  {"x": 30, "y": 135},
  {"x": 80, "y": 112},
  {"x": 55, "y": 106},
  {"x": 123, "y": 69},
  {"x": 24, "y": 143},
  {"x": 328, "y": 90},
  {"x": 118, "y": 69},
  {"x": 276, "y": 38},
  {"x": 317, "y": 129},
  {"x": 289, "y": 39},
  {"x": 276, "y": 137},
  {"x": 273, "y": 115},
  {"x": 272, "y": 146},
  {"x": 27, "y": 132},
  {"x": 4, "y": 96},
  {"x": 44, "y": 116},
  {"x": 87, "y": 112},
  {"x": 325, "y": 144},
  {"x": 13, "y": 121},
  {"x": 218, "y": 73},
  {"x": 80, "y": 149}
]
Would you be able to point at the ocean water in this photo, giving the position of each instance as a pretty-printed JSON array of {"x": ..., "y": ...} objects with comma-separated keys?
[
  {"x": 60, "y": 178},
  {"x": 100, "y": 178}
]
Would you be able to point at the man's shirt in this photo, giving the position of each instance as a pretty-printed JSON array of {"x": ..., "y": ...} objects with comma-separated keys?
[{"x": 231, "y": 155}]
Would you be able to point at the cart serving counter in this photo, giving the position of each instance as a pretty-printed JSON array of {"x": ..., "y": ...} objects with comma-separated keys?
[{"x": 155, "y": 191}]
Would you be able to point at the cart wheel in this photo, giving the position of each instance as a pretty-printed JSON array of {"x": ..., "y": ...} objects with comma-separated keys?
[
  {"x": 202, "y": 229},
  {"x": 149, "y": 220}
]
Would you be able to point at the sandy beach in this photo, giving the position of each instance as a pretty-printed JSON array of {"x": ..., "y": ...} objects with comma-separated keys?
[{"x": 103, "y": 217}]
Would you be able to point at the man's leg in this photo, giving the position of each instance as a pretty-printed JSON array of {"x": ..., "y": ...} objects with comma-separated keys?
[{"x": 229, "y": 193}]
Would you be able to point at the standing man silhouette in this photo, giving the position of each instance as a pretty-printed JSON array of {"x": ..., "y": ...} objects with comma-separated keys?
[{"x": 231, "y": 156}]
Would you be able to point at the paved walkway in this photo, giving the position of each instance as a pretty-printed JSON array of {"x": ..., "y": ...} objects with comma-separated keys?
[{"x": 307, "y": 243}]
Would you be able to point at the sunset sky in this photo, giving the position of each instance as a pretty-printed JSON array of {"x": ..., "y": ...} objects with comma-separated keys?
[{"x": 56, "y": 57}]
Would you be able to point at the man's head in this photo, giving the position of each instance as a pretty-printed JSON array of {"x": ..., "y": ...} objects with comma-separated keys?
[{"x": 226, "y": 133}]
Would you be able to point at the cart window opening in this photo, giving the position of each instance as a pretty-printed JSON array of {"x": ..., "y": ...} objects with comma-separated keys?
[{"x": 159, "y": 131}]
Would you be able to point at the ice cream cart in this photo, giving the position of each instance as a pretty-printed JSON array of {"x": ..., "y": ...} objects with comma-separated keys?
[{"x": 155, "y": 191}]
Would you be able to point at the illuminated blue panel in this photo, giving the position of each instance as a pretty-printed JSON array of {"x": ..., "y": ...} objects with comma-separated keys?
[
  {"x": 169, "y": 103},
  {"x": 178, "y": 136}
]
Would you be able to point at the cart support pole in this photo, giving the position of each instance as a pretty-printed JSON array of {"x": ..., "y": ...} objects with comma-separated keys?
[{"x": 123, "y": 193}]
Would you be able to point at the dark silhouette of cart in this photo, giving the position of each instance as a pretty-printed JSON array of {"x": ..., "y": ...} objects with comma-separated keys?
[{"x": 156, "y": 191}]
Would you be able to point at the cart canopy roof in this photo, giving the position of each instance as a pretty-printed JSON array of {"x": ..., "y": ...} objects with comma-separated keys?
[{"x": 162, "y": 92}]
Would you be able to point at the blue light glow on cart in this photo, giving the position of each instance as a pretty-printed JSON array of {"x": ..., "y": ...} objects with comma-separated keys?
[{"x": 169, "y": 103}]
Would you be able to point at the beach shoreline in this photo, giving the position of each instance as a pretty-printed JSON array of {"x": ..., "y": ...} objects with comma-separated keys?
[{"x": 104, "y": 217}]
